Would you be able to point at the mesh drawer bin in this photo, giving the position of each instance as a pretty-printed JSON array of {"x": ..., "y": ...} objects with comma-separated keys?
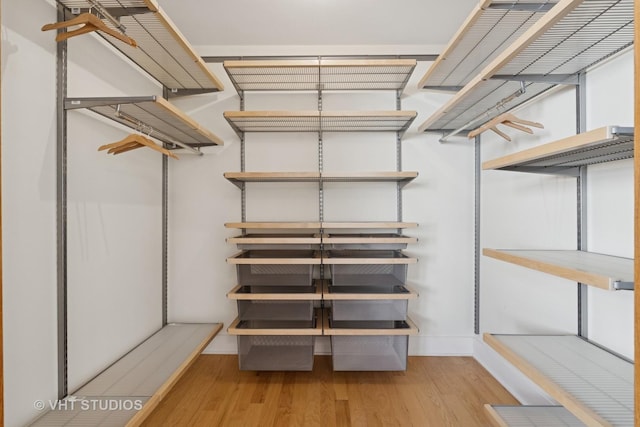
[
  {"x": 279, "y": 241},
  {"x": 275, "y": 352},
  {"x": 369, "y": 310},
  {"x": 275, "y": 310},
  {"x": 372, "y": 268},
  {"x": 369, "y": 352},
  {"x": 367, "y": 241},
  {"x": 275, "y": 267}
]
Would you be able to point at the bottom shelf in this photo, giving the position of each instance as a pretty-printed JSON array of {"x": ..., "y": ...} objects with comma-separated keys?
[
  {"x": 135, "y": 384},
  {"x": 532, "y": 416}
]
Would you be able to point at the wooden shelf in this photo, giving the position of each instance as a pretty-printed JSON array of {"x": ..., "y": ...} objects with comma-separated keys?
[
  {"x": 590, "y": 31},
  {"x": 602, "y": 271},
  {"x": 238, "y": 178},
  {"x": 239, "y": 327},
  {"x": 320, "y": 74},
  {"x": 316, "y": 121},
  {"x": 162, "y": 50},
  {"x": 274, "y": 225},
  {"x": 145, "y": 374},
  {"x": 366, "y": 225},
  {"x": 276, "y": 239},
  {"x": 276, "y": 257},
  {"x": 372, "y": 328},
  {"x": 366, "y": 257},
  {"x": 288, "y": 294},
  {"x": 373, "y": 238},
  {"x": 401, "y": 293},
  {"x": 600, "y": 145},
  {"x": 491, "y": 26},
  {"x": 363, "y": 225},
  {"x": 154, "y": 116},
  {"x": 532, "y": 416},
  {"x": 593, "y": 384}
]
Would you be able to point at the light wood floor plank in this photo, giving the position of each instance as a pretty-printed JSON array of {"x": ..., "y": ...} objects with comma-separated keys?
[{"x": 434, "y": 391}]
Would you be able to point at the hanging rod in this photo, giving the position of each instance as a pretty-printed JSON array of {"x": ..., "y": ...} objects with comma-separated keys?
[
  {"x": 487, "y": 113},
  {"x": 103, "y": 11},
  {"x": 148, "y": 129}
]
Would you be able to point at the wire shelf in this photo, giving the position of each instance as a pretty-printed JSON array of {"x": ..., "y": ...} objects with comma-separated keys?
[
  {"x": 149, "y": 115},
  {"x": 573, "y": 36},
  {"x": 320, "y": 74},
  {"x": 162, "y": 50}
]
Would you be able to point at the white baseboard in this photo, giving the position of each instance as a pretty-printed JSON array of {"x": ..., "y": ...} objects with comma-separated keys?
[
  {"x": 419, "y": 345},
  {"x": 519, "y": 385}
]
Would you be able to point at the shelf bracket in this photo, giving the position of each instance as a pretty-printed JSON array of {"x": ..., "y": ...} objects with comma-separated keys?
[
  {"x": 620, "y": 285},
  {"x": 175, "y": 93}
]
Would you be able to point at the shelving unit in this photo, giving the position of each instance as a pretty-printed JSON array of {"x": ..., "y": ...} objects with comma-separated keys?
[
  {"x": 153, "y": 367},
  {"x": 151, "y": 115},
  {"x": 602, "y": 271},
  {"x": 162, "y": 50},
  {"x": 571, "y": 37},
  {"x": 388, "y": 350},
  {"x": 593, "y": 384}
]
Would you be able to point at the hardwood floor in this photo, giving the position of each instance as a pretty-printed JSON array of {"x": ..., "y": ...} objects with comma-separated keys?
[{"x": 434, "y": 391}]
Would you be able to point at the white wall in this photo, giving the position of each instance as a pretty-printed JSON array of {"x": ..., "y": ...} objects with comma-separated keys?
[
  {"x": 539, "y": 212},
  {"x": 114, "y": 215},
  {"x": 440, "y": 200}
]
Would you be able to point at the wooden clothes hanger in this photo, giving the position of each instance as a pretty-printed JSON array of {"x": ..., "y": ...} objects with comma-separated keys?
[
  {"x": 89, "y": 23},
  {"x": 506, "y": 119},
  {"x": 132, "y": 142}
]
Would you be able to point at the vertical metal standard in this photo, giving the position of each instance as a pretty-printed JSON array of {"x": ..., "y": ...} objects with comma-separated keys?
[
  {"x": 320, "y": 158},
  {"x": 476, "y": 237},
  {"x": 243, "y": 187},
  {"x": 165, "y": 231},
  {"x": 61, "y": 209},
  {"x": 581, "y": 126},
  {"x": 399, "y": 212}
]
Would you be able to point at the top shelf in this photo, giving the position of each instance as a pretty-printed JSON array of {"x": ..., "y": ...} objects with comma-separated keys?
[
  {"x": 571, "y": 37},
  {"x": 320, "y": 74},
  {"x": 600, "y": 145},
  {"x": 162, "y": 50},
  {"x": 489, "y": 29}
]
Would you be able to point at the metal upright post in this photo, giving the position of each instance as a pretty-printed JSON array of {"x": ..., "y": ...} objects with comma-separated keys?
[
  {"x": 243, "y": 187},
  {"x": 399, "y": 213},
  {"x": 476, "y": 237},
  {"x": 61, "y": 209},
  {"x": 581, "y": 126},
  {"x": 165, "y": 231}
]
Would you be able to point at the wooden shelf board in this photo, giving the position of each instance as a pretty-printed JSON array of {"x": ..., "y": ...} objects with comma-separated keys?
[
  {"x": 332, "y": 296},
  {"x": 601, "y": 271},
  {"x": 274, "y": 225},
  {"x": 162, "y": 50},
  {"x": 369, "y": 239},
  {"x": 292, "y": 296},
  {"x": 531, "y": 416},
  {"x": 384, "y": 176},
  {"x": 358, "y": 257},
  {"x": 595, "y": 146},
  {"x": 237, "y": 259},
  {"x": 315, "y": 331},
  {"x": 594, "y": 385},
  {"x": 328, "y": 330},
  {"x": 167, "y": 123},
  {"x": 366, "y": 225},
  {"x": 289, "y": 239}
]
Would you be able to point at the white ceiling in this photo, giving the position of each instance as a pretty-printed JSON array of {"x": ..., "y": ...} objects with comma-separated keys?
[{"x": 318, "y": 22}]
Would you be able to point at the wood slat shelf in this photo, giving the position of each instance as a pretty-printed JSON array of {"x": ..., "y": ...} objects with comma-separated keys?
[
  {"x": 276, "y": 257},
  {"x": 532, "y": 416},
  {"x": 401, "y": 293},
  {"x": 403, "y": 177},
  {"x": 279, "y": 225},
  {"x": 316, "y": 121},
  {"x": 145, "y": 374},
  {"x": 568, "y": 39},
  {"x": 371, "y": 328},
  {"x": 602, "y": 271},
  {"x": 600, "y": 145},
  {"x": 320, "y": 74},
  {"x": 162, "y": 50},
  {"x": 267, "y": 293},
  {"x": 591, "y": 383},
  {"x": 491, "y": 26},
  {"x": 150, "y": 115},
  {"x": 239, "y": 327}
]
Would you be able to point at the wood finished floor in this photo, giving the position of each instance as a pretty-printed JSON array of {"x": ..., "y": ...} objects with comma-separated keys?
[{"x": 434, "y": 391}]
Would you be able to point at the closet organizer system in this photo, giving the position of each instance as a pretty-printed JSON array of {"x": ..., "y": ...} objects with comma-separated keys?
[
  {"x": 528, "y": 48},
  {"x": 147, "y": 372},
  {"x": 300, "y": 280}
]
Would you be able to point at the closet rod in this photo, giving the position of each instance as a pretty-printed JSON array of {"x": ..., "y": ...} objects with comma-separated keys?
[{"x": 486, "y": 114}]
